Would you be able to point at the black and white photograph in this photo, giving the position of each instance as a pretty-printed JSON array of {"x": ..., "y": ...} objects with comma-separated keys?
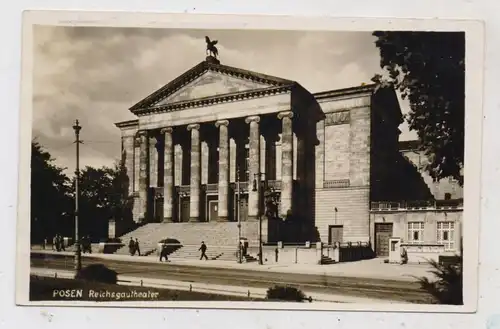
[{"x": 293, "y": 167}]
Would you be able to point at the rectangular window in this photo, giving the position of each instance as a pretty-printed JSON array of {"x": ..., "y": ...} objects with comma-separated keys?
[
  {"x": 247, "y": 164},
  {"x": 415, "y": 232},
  {"x": 446, "y": 235}
]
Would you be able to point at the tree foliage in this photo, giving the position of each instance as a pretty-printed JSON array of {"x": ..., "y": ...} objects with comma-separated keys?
[
  {"x": 51, "y": 206},
  {"x": 103, "y": 194},
  {"x": 102, "y": 197},
  {"x": 428, "y": 68}
]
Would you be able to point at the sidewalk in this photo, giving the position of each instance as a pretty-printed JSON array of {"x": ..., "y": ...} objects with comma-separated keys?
[
  {"x": 228, "y": 290},
  {"x": 372, "y": 268}
]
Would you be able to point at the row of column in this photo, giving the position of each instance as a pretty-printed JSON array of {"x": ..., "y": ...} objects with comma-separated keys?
[{"x": 223, "y": 182}]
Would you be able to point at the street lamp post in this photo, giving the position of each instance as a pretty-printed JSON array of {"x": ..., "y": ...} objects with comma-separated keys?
[
  {"x": 78, "y": 252},
  {"x": 257, "y": 187},
  {"x": 238, "y": 205}
]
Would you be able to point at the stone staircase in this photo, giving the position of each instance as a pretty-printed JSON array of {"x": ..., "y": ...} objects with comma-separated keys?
[
  {"x": 221, "y": 238},
  {"x": 325, "y": 260}
]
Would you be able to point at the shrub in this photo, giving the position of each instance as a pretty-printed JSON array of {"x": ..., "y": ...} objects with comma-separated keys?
[
  {"x": 97, "y": 273},
  {"x": 285, "y": 293},
  {"x": 448, "y": 288}
]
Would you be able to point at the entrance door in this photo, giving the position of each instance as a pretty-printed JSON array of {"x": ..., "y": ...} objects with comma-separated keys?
[
  {"x": 184, "y": 210},
  {"x": 158, "y": 215},
  {"x": 335, "y": 234},
  {"x": 383, "y": 232},
  {"x": 213, "y": 213}
]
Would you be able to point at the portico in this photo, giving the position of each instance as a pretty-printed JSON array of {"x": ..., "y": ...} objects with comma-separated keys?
[{"x": 207, "y": 134}]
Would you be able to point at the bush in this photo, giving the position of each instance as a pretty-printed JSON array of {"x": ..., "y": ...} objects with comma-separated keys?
[
  {"x": 97, "y": 273},
  {"x": 448, "y": 288},
  {"x": 285, "y": 293}
]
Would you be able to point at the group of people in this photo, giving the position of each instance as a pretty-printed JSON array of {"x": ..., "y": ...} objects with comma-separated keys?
[
  {"x": 133, "y": 247},
  {"x": 57, "y": 243}
]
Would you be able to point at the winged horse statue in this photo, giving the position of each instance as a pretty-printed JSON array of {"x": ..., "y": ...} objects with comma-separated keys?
[{"x": 211, "y": 49}]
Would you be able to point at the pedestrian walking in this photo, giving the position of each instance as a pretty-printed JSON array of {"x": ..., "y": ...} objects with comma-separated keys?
[
  {"x": 54, "y": 243},
  {"x": 61, "y": 243},
  {"x": 137, "y": 248},
  {"x": 164, "y": 252},
  {"x": 203, "y": 249},
  {"x": 131, "y": 247}
]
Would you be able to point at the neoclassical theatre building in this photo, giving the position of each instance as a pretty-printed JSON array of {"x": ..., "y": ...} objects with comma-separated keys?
[{"x": 199, "y": 143}]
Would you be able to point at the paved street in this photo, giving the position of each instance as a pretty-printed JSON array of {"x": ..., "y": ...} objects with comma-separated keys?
[{"x": 396, "y": 290}]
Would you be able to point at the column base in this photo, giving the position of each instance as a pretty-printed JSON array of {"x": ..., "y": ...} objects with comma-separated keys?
[
  {"x": 194, "y": 219},
  {"x": 253, "y": 218},
  {"x": 167, "y": 220},
  {"x": 223, "y": 219}
]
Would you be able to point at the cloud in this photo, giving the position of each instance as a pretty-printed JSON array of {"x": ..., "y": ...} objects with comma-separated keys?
[{"x": 95, "y": 74}]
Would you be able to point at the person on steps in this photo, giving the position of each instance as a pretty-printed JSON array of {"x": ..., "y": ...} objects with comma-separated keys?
[
  {"x": 131, "y": 247},
  {"x": 203, "y": 249},
  {"x": 164, "y": 252},
  {"x": 137, "y": 248}
]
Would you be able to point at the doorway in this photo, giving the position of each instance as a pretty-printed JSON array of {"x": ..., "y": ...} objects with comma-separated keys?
[
  {"x": 383, "y": 232},
  {"x": 213, "y": 210},
  {"x": 335, "y": 234},
  {"x": 184, "y": 209}
]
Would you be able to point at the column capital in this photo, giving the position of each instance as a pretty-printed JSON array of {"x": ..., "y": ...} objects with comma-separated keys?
[
  {"x": 221, "y": 123},
  {"x": 142, "y": 133},
  {"x": 285, "y": 114},
  {"x": 166, "y": 130},
  {"x": 253, "y": 118},
  {"x": 194, "y": 126}
]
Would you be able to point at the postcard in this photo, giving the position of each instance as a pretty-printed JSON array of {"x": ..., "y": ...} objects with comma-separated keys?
[{"x": 249, "y": 162}]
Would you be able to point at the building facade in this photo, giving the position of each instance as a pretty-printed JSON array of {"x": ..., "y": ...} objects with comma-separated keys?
[{"x": 203, "y": 141}]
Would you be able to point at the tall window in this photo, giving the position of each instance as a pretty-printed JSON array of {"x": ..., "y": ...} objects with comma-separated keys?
[
  {"x": 247, "y": 165},
  {"x": 415, "y": 232},
  {"x": 446, "y": 235}
]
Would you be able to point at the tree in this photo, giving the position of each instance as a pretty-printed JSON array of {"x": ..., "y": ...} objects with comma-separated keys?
[
  {"x": 51, "y": 206},
  {"x": 428, "y": 68},
  {"x": 102, "y": 197}
]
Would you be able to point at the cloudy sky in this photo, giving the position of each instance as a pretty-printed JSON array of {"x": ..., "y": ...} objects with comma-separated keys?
[{"x": 96, "y": 74}]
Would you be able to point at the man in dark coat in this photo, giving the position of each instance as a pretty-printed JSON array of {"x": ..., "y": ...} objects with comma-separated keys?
[
  {"x": 203, "y": 249},
  {"x": 137, "y": 248},
  {"x": 131, "y": 247},
  {"x": 164, "y": 252}
]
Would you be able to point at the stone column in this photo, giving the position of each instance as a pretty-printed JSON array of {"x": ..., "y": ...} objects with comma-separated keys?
[
  {"x": 128, "y": 160},
  {"x": 254, "y": 166},
  {"x": 223, "y": 185},
  {"x": 286, "y": 162},
  {"x": 168, "y": 174},
  {"x": 143, "y": 175},
  {"x": 195, "y": 180}
]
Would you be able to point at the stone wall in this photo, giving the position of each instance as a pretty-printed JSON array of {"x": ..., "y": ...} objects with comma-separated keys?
[
  {"x": 352, "y": 212},
  {"x": 342, "y": 173}
]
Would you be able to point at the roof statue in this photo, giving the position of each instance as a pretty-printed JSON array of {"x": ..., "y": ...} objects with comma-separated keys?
[{"x": 211, "y": 49}]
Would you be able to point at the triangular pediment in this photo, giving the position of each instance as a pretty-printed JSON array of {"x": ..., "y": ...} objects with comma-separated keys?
[
  {"x": 212, "y": 84},
  {"x": 207, "y": 80}
]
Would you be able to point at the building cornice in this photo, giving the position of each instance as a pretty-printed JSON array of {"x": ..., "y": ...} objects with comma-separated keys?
[
  {"x": 218, "y": 99},
  {"x": 345, "y": 92},
  {"x": 127, "y": 124}
]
